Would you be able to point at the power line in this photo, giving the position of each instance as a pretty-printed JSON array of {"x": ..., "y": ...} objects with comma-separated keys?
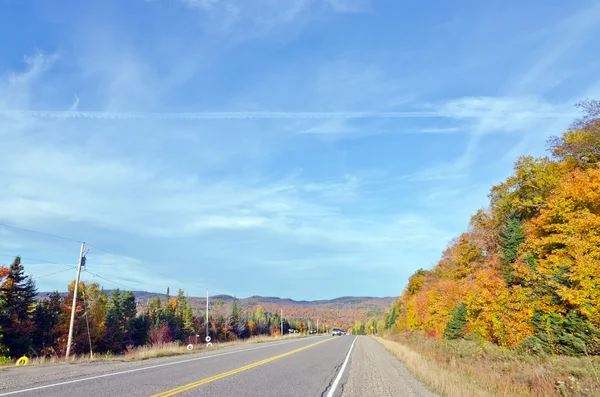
[
  {"x": 89, "y": 245},
  {"x": 32, "y": 259},
  {"x": 111, "y": 281},
  {"x": 51, "y": 274},
  {"x": 131, "y": 261},
  {"x": 38, "y": 232}
]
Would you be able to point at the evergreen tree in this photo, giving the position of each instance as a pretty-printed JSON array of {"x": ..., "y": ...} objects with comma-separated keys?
[
  {"x": 237, "y": 325},
  {"x": 18, "y": 294},
  {"x": 390, "y": 320},
  {"x": 3, "y": 349},
  {"x": 128, "y": 315},
  {"x": 511, "y": 237},
  {"x": 457, "y": 326},
  {"x": 571, "y": 334},
  {"x": 140, "y": 329},
  {"x": 47, "y": 318},
  {"x": 115, "y": 336}
]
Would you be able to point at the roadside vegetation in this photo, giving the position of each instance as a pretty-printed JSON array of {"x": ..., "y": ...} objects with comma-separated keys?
[
  {"x": 514, "y": 302},
  {"x": 116, "y": 325},
  {"x": 475, "y": 367},
  {"x": 151, "y": 351}
]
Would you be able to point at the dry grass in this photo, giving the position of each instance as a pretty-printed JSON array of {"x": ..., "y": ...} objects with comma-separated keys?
[
  {"x": 441, "y": 380},
  {"x": 152, "y": 351},
  {"x": 478, "y": 368}
]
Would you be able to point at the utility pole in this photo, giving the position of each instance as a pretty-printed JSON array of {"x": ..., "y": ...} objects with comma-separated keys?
[
  {"x": 207, "y": 312},
  {"x": 317, "y": 326},
  {"x": 81, "y": 263},
  {"x": 281, "y": 322}
]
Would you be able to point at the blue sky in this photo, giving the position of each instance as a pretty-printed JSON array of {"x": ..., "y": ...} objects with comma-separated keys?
[{"x": 299, "y": 148}]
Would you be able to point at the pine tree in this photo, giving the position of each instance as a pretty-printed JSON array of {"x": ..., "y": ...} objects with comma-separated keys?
[
  {"x": 511, "y": 237},
  {"x": 128, "y": 315},
  {"x": 47, "y": 317},
  {"x": 390, "y": 320},
  {"x": 457, "y": 326},
  {"x": 18, "y": 294},
  {"x": 234, "y": 322},
  {"x": 115, "y": 336}
]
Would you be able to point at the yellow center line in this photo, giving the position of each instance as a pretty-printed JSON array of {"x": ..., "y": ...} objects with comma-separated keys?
[{"x": 192, "y": 385}]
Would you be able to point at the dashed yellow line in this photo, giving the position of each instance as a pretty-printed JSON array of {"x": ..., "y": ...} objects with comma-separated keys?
[{"x": 192, "y": 385}]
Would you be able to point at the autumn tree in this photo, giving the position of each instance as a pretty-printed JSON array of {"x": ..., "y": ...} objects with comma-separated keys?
[
  {"x": 564, "y": 242},
  {"x": 580, "y": 146},
  {"x": 525, "y": 192}
]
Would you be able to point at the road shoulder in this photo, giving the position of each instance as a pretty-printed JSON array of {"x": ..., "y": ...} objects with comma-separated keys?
[{"x": 376, "y": 372}]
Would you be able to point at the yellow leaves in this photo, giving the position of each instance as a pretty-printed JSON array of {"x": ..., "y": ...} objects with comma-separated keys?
[
  {"x": 565, "y": 241},
  {"x": 497, "y": 312},
  {"x": 252, "y": 327},
  {"x": 527, "y": 189},
  {"x": 462, "y": 255}
]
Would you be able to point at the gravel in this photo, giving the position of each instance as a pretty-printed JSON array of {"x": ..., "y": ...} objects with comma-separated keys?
[{"x": 376, "y": 372}]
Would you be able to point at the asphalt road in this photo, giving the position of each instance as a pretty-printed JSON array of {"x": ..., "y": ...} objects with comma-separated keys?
[
  {"x": 315, "y": 366},
  {"x": 291, "y": 368}
]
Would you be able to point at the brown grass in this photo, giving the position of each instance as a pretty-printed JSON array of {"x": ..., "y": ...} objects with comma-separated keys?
[
  {"x": 153, "y": 351},
  {"x": 477, "y": 368}
]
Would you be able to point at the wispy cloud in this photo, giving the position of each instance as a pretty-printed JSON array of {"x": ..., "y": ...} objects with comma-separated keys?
[
  {"x": 349, "y": 6},
  {"x": 276, "y": 141}
]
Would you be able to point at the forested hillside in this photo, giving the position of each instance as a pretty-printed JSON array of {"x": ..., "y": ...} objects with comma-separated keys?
[
  {"x": 37, "y": 324},
  {"x": 526, "y": 273}
]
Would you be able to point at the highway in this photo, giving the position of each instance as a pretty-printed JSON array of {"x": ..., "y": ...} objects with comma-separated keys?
[{"x": 315, "y": 366}]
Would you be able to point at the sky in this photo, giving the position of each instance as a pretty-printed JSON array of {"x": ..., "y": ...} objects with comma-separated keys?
[{"x": 306, "y": 149}]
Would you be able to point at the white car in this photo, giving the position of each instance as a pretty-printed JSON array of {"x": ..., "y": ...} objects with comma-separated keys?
[{"x": 336, "y": 332}]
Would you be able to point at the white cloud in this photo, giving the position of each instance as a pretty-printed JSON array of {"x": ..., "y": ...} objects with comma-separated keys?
[{"x": 492, "y": 114}]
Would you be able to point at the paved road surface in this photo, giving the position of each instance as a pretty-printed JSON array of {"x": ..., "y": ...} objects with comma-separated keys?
[{"x": 302, "y": 367}]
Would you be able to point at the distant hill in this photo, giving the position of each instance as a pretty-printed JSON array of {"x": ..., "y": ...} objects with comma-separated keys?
[{"x": 346, "y": 308}]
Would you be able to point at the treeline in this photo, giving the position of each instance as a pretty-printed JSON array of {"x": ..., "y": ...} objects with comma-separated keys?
[
  {"x": 526, "y": 274},
  {"x": 39, "y": 327},
  {"x": 366, "y": 327}
]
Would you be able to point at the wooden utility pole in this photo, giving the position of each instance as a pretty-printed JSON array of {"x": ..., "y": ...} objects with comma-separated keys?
[{"x": 76, "y": 289}]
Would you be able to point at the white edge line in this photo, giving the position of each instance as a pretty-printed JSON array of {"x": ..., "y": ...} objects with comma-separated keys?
[
  {"x": 341, "y": 372},
  {"x": 142, "y": 369}
]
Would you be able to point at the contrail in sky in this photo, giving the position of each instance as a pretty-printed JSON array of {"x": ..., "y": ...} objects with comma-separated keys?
[{"x": 100, "y": 115}]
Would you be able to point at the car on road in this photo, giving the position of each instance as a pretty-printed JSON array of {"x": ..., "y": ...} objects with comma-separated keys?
[{"x": 336, "y": 332}]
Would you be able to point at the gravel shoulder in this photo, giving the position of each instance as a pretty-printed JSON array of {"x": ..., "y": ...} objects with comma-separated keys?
[{"x": 376, "y": 372}]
